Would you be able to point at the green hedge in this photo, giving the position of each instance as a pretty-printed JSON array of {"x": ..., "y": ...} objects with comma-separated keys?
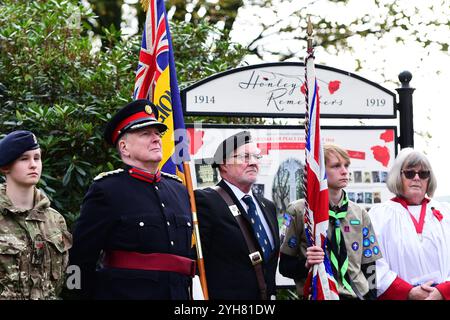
[{"x": 53, "y": 83}]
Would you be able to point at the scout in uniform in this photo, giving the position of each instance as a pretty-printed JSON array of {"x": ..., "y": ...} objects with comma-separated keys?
[
  {"x": 351, "y": 245},
  {"x": 133, "y": 237},
  {"x": 34, "y": 241}
]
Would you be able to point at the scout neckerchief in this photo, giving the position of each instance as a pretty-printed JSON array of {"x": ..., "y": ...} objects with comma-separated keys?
[
  {"x": 417, "y": 224},
  {"x": 338, "y": 254}
]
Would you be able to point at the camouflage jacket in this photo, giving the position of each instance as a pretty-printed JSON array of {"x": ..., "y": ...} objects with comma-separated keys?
[{"x": 34, "y": 248}]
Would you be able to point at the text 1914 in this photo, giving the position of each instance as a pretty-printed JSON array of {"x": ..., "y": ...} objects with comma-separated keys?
[{"x": 204, "y": 99}]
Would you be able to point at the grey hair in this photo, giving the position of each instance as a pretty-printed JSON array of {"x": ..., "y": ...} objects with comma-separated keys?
[
  {"x": 409, "y": 158},
  {"x": 123, "y": 137}
]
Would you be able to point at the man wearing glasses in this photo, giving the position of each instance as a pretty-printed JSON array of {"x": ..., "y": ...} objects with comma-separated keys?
[{"x": 239, "y": 231}]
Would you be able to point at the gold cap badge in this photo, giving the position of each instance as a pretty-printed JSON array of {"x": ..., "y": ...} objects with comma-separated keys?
[{"x": 148, "y": 109}]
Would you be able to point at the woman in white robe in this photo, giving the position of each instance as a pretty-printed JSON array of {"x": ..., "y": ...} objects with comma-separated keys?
[{"x": 414, "y": 234}]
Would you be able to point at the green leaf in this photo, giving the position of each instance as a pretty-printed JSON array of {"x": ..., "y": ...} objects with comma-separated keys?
[{"x": 68, "y": 175}]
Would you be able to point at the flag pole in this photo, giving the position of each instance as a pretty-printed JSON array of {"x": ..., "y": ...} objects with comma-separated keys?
[
  {"x": 308, "y": 219},
  {"x": 198, "y": 246},
  {"x": 310, "y": 49},
  {"x": 320, "y": 283},
  {"x": 309, "y": 32}
]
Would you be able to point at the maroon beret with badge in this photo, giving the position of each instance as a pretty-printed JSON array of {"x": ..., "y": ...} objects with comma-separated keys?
[{"x": 135, "y": 115}]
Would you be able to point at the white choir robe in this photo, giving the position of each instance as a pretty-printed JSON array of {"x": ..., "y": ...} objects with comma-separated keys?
[{"x": 404, "y": 253}]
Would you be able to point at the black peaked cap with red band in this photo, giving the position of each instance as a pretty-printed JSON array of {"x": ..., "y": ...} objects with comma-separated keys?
[{"x": 137, "y": 114}]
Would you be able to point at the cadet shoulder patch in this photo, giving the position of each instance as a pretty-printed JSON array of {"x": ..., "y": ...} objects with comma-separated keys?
[
  {"x": 172, "y": 176},
  {"x": 292, "y": 242},
  {"x": 107, "y": 173}
]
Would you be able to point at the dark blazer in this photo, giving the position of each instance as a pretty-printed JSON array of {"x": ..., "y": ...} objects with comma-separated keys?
[
  {"x": 120, "y": 212},
  {"x": 229, "y": 271}
]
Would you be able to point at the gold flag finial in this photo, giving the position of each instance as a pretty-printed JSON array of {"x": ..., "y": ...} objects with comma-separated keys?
[
  {"x": 145, "y": 4},
  {"x": 309, "y": 31}
]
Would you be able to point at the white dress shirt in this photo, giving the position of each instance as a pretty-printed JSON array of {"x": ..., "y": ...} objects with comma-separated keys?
[{"x": 239, "y": 194}]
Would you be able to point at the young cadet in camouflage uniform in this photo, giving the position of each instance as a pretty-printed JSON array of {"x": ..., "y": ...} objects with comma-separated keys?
[
  {"x": 34, "y": 240},
  {"x": 351, "y": 245}
]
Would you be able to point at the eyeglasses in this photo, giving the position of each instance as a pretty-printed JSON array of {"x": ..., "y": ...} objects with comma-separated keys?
[
  {"x": 410, "y": 174},
  {"x": 247, "y": 156}
]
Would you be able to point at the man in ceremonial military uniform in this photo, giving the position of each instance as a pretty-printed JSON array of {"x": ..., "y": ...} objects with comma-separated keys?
[
  {"x": 352, "y": 246},
  {"x": 238, "y": 230},
  {"x": 133, "y": 237}
]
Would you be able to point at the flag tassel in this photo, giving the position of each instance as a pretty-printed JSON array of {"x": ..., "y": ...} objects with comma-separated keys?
[{"x": 145, "y": 4}]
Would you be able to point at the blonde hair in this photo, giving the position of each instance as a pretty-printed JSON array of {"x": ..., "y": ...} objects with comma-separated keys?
[
  {"x": 330, "y": 149},
  {"x": 409, "y": 158}
]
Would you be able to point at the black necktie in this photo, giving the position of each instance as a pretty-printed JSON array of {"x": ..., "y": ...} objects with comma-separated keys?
[{"x": 258, "y": 228}]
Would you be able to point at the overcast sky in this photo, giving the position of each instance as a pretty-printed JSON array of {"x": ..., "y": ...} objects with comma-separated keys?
[{"x": 385, "y": 59}]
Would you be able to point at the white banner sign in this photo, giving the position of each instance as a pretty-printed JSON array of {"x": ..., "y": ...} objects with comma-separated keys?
[
  {"x": 277, "y": 90},
  {"x": 371, "y": 150}
]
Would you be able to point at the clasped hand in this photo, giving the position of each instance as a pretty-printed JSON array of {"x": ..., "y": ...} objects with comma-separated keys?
[{"x": 425, "y": 292}]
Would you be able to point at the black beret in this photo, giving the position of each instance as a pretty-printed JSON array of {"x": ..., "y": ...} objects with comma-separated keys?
[
  {"x": 137, "y": 114},
  {"x": 15, "y": 144},
  {"x": 230, "y": 144}
]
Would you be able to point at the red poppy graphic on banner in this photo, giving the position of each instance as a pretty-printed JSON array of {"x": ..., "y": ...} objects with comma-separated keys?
[
  {"x": 303, "y": 88},
  {"x": 387, "y": 136},
  {"x": 381, "y": 154},
  {"x": 334, "y": 86}
]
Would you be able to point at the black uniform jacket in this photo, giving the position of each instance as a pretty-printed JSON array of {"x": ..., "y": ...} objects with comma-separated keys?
[
  {"x": 120, "y": 212},
  {"x": 229, "y": 271}
]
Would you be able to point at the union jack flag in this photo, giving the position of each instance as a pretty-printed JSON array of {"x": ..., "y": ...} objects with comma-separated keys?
[
  {"x": 320, "y": 284},
  {"x": 156, "y": 80}
]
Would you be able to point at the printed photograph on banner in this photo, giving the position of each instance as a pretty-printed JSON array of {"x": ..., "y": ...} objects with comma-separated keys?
[
  {"x": 359, "y": 197},
  {"x": 367, "y": 197},
  {"x": 357, "y": 176},
  {"x": 281, "y": 168},
  {"x": 258, "y": 189},
  {"x": 351, "y": 196},
  {"x": 206, "y": 176},
  {"x": 376, "y": 197},
  {"x": 367, "y": 177},
  {"x": 375, "y": 176},
  {"x": 383, "y": 176}
]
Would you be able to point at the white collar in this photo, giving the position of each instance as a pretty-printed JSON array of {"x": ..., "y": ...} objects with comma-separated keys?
[{"x": 238, "y": 192}]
